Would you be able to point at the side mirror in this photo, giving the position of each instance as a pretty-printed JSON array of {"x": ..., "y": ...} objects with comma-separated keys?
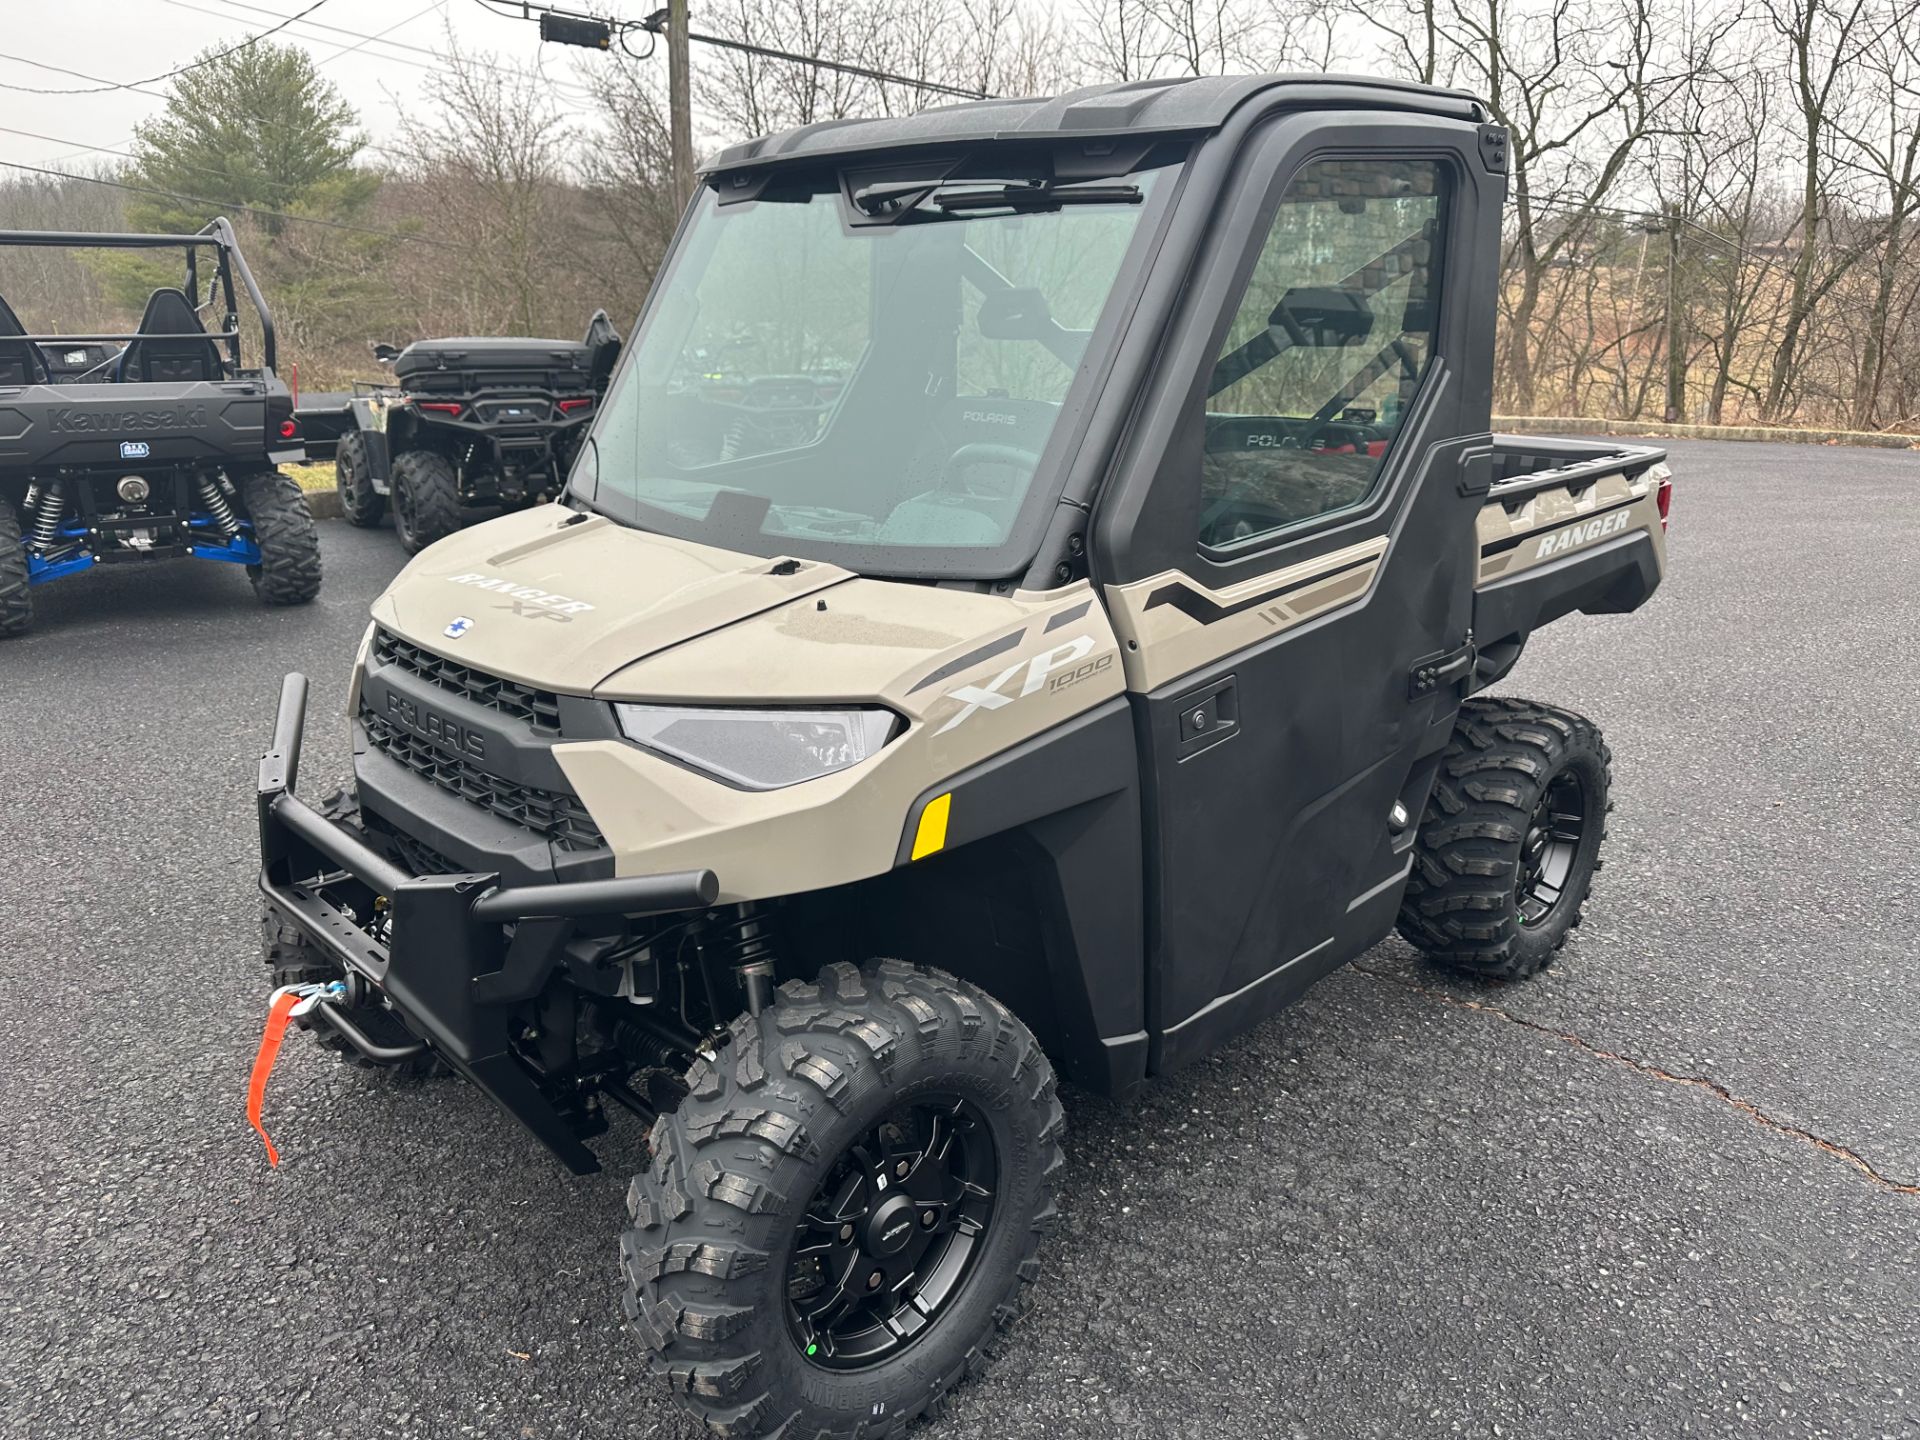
[
  {"x": 603, "y": 349},
  {"x": 1322, "y": 316}
]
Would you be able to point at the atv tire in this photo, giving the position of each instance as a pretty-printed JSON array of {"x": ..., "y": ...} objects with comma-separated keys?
[
  {"x": 426, "y": 499},
  {"x": 288, "y": 537},
  {"x": 16, "y": 599},
  {"x": 832, "y": 1093},
  {"x": 360, "y": 503},
  {"x": 292, "y": 961},
  {"x": 1510, "y": 841}
]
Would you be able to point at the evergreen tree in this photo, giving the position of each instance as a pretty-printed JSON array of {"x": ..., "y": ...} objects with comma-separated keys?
[
  {"x": 259, "y": 135},
  {"x": 256, "y": 128}
]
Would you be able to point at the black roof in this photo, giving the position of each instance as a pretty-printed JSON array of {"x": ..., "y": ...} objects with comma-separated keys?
[{"x": 1137, "y": 108}]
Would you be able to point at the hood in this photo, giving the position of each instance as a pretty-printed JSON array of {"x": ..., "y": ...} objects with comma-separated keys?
[
  {"x": 560, "y": 600},
  {"x": 884, "y": 640}
]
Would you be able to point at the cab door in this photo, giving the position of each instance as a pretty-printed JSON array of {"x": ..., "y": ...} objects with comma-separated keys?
[{"x": 1287, "y": 550}]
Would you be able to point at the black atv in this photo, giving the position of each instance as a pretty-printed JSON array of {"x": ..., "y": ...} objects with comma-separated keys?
[
  {"x": 162, "y": 443},
  {"x": 474, "y": 426}
]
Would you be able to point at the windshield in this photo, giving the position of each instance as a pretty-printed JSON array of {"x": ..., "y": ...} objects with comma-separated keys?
[{"x": 879, "y": 392}]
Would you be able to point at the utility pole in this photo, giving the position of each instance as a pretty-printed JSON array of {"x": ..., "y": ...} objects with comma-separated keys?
[
  {"x": 568, "y": 27},
  {"x": 679, "y": 102},
  {"x": 1676, "y": 324}
]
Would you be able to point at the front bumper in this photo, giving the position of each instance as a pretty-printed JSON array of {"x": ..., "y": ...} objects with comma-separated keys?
[{"x": 454, "y": 954}]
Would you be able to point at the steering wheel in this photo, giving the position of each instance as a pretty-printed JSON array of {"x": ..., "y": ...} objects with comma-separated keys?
[{"x": 985, "y": 452}]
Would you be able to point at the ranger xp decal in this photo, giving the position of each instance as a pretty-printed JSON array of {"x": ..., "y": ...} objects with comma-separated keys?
[
  {"x": 1039, "y": 669},
  {"x": 1580, "y": 534},
  {"x": 529, "y": 599}
]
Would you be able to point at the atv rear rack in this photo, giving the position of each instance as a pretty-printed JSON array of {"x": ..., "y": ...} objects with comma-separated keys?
[{"x": 451, "y": 955}]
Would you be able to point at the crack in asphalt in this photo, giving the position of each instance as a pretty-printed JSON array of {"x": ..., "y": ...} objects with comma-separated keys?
[{"x": 1845, "y": 1154}]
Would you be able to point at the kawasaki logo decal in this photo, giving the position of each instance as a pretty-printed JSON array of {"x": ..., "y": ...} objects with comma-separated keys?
[
  {"x": 1580, "y": 534},
  {"x": 68, "y": 421}
]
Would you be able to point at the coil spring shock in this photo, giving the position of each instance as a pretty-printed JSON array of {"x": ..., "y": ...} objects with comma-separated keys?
[
  {"x": 744, "y": 941},
  {"x": 215, "y": 501},
  {"x": 47, "y": 516}
]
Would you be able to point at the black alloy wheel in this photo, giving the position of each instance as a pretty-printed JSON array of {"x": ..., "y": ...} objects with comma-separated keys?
[
  {"x": 1551, "y": 847},
  {"x": 892, "y": 1233},
  {"x": 839, "y": 1221}
]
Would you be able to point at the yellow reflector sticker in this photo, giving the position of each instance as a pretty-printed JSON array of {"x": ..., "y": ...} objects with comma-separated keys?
[{"x": 932, "y": 835}]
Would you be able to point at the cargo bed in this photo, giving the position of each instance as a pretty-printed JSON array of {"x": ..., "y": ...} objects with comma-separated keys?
[{"x": 1568, "y": 525}]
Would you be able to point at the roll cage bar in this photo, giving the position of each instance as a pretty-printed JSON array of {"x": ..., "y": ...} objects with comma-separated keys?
[{"x": 217, "y": 236}]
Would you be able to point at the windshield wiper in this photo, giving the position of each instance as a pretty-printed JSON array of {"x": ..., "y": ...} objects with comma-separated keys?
[
  {"x": 1036, "y": 195},
  {"x": 896, "y": 198}
]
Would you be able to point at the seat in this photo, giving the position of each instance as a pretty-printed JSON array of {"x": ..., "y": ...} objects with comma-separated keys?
[
  {"x": 21, "y": 362},
  {"x": 169, "y": 312}
]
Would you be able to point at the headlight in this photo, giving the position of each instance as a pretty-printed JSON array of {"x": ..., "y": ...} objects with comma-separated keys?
[{"x": 759, "y": 749}]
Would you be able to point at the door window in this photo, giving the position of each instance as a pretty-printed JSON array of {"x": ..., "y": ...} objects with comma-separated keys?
[{"x": 1326, "y": 349}]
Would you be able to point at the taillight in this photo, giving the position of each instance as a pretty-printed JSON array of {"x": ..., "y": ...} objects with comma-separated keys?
[
  {"x": 567, "y": 407},
  {"x": 438, "y": 407},
  {"x": 288, "y": 429},
  {"x": 1664, "y": 499}
]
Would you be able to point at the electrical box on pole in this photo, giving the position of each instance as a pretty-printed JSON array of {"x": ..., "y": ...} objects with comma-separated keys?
[{"x": 558, "y": 29}]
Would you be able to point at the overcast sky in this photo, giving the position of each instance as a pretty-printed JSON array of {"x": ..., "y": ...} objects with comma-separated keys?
[{"x": 127, "y": 40}]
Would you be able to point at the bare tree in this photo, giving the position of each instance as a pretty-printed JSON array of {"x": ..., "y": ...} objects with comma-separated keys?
[
  {"x": 627, "y": 173},
  {"x": 1825, "y": 40},
  {"x": 1122, "y": 39},
  {"x": 1886, "y": 151},
  {"x": 1580, "y": 88},
  {"x": 488, "y": 165}
]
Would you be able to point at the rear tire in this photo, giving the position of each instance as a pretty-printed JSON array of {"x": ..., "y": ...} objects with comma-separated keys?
[
  {"x": 288, "y": 537},
  {"x": 360, "y": 503},
  {"x": 16, "y": 598},
  {"x": 1510, "y": 841},
  {"x": 426, "y": 499},
  {"x": 836, "y": 1085}
]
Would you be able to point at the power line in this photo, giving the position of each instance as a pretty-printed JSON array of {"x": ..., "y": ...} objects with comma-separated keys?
[
  {"x": 1652, "y": 217},
  {"x": 820, "y": 64},
  {"x": 435, "y": 55},
  {"x": 119, "y": 153},
  {"x": 108, "y": 85},
  {"x": 224, "y": 205},
  {"x": 62, "y": 70},
  {"x": 656, "y": 24}
]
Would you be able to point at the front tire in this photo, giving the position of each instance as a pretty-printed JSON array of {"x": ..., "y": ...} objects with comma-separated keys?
[
  {"x": 16, "y": 598},
  {"x": 426, "y": 499},
  {"x": 810, "y": 1157},
  {"x": 288, "y": 537},
  {"x": 1511, "y": 839},
  {"x": 360, "y": 503}
]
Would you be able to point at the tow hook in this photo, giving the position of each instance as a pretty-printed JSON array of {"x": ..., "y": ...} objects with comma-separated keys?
[{"x": 286, "y": 1005}]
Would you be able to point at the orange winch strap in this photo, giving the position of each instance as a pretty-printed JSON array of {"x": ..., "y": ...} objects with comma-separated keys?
[{"x": 277, "y": 1018}]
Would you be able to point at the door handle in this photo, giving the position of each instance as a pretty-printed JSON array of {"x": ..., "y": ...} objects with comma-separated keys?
[{"x": 1209, "y": 716}]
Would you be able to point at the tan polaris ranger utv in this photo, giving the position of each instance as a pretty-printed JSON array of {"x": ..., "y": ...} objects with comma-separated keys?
[{"x": 1049, "y": 544}]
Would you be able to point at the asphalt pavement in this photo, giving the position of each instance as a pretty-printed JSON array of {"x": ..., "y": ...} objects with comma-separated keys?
[{"x": 1671, "y": 1188}]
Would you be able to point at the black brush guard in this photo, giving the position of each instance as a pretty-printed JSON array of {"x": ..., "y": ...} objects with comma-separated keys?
[{"x": 461, "y": 951}]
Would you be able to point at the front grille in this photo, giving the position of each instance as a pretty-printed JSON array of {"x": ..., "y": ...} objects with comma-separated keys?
[
  {"x": 539, "y": 708},
  {"x": 555, "y": 815}
]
